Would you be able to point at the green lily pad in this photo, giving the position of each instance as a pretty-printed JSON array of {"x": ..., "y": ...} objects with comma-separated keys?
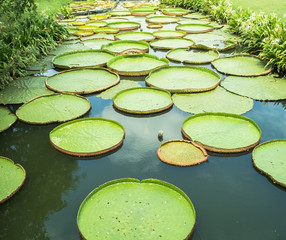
[
  {"x": 136, "y": 65},
  {"x": 7, "y": 119},
  {"x": 67, "y": 48},
  {"x": 142, "y": 100},
  {"x": 99, "y": 36},
  {"x": 116, "y": 19},
  {"x": 41, "y": 65},
  {"x": 106, "y": 30},
  {"x": 222, "y": 132},
  {"x": 142, "y": 12},
  {"x": 97, "y": 23},
  {"x": 217, "y": 100},
  {"x": 82, "y": 81},
  {"x": 175, "y": 11},
  {"x": 205, "y": 37},
  {"x": 82, "y": 59},
  {"x": 195, "y": 16},
  {"x": 171, "y": 43},
  {"x": 182, "y": 153},
  {"x": 216, "y": 45},
  {"x": 258, "y": 88},
  {"x": 98, "y": 17},
  {"x": 96, "y": 43},
  {"x": 119, "y": 13},
  {"x": 136, "y": 36},
  {"x": 88, "y": 28},
  {"x": 53, "y": 108},
  {"x": 12, "y": 177},
  {"x": 269, "y": 158},
  {"x": 125, "y": 25},
  {"x": 87, "y": 136},
  {"x": 23, "y": 90},
  {"x": 192, "y": 56},
  {"x": 162, "y": 19},
  {"x": 195, "y": 28},
  {"x": 83, "y": 33},
  {"x": 120, "y": 46},
  {"x": 241, "y": 65},
  {"x": 123, "y": 84},
  {"x": 183, "y": 79},
  {"x": 128, "y": 208},
  {"x": 154, "y": 25},
  {"x": 169, "y": 34}
]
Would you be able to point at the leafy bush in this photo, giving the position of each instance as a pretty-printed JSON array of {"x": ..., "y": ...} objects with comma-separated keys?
[
  {"x": 262, "y": 34},
  {"x": 24, "y": 36}
]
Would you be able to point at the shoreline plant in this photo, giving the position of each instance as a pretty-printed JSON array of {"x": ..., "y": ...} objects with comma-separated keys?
[{"x": 263, "y": 35}]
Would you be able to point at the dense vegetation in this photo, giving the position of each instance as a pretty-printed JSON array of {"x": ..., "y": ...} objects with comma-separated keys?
[
  {"x": 25, "y": 35},
  {"x": 263, "y": 35}
]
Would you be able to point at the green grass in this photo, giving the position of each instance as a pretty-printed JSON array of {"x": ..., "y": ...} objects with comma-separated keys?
[
  {"x": 50, "y": 6},
  {"x": 268, "y": 6}
]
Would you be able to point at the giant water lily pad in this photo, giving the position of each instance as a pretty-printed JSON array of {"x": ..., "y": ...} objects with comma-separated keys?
[
  {"x": 130, "y": 209},
  {"x": 119, "y": 13},
  {"x": 142, "y": 100},
  {"x": 120, "y": 46},
  {"x": 241, "y": 65},
  {"x": 258, "y": 88},
  {"x": 182, "y": 79},
  {"x": 12, "y": 177},
  {"x": 82, "y": 59},
  {"x": 137, "y": 36},
  {"x": 109, "y": 30},
  {"x": 222, "y": 132},
  {"x": 216, "y": 45},
  {"x": 269, "y": 158},
  {"x": 175, "y": 11},
  {"x": 23, "y": 90},
  {"x": 181, "y": 153},
  {"x": 195, "y": 16},
  {"x": 87, "y": 136},
  {"x": 42, "y": 64},
  {"x": 82, "y": 81},
  {"x": 142, "y": 12},
  {"x": 67, "y": 48},
  {"x": 192, "y": 56},
  {"x": 98, "y": 36},
  {"x": 162, "y": 19},
  {"x": 136, "y": 65},
  {"x": 124, "y": 25},
  {"x": 217, "y": 100},
  {"x": 83, "y": 33},
  {"x": 96, "y": 23},
  {"x": 96, "y": 43},
  {"x": 124, "y": 84},
  {"x": 194, "y": 28},
  {"x": 7, "y": 119},
  {"x": 205, "y": 37},
  {"x": 171, "y": 43},
  {"x": 169, "y": 34},
  {"x": 53, "y": 108}
]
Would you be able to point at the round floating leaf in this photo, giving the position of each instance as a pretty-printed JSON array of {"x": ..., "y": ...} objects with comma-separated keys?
[
  {"x": 106, "y": 30},
  {"x": 7, "y": 119},
  {"x": 192, "y": 56},
  {"x": 195, "y": 16},
  {"x": 83, "y": 33},
  {"x": 175, "y": 11},
  {"x": 12, "y": 177},
  {"x": 154, "y": 25},
  {"x": 136, "y": 65},
  {"x": 96, "y": 43},
  {"x": 23, "y": 90},
  {"x": 137, "y": 36},
  {"x": 87, "y": 28},
  {"x": 128, "y": 208},
  {"x": 181, "y": 153},
  {"x": 124, "y": 25},
  {"x": 169, "y": 34},
  {"x": 241, "y": 65},
  {"x": 195, "y": 28},
  {"x": 98, "y": 36},
  {"x": 119, "y": 13},
  {"x": 142, "y": 12},
  {"x": 87, "y": 136},
  {"x": 258, "y": 88},
  {"x": 142, "y": 100},
  {"x": 205, "y": 37},
  {"x": 67, "y": 48},
  {"x": 123, "y": 84},
  {"x": 120, "y": 46},
  {"x": 269, "y": 158},
  {"x": 216, "y": 45},
  {"x": 182, "y": 79},
  {"x": 171, "y": 43},
  {"x": 82, "y": 81},
  {"x": 217, "y": 100},
  {"x": 222, "y": 132},
  {"x": 162, "y": 19},
  {"x": 98, "y": 17},
  {"x": 116, "y": 19},
  {"x": 82, "y": 59},
  {"x": 97, "y": 23},
  {"x": 53, "y": 108}
]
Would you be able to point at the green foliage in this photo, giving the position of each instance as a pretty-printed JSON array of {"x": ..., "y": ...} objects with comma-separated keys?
[
  {"x": 263, "y": 35},
  {"x": 24, "y": 36}
]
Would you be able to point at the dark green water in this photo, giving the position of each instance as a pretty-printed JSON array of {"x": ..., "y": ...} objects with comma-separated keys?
[{"x": 232, "y": 200}]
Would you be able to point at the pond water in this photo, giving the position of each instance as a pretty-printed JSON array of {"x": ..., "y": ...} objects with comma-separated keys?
[{"x": 232, "y": 200}]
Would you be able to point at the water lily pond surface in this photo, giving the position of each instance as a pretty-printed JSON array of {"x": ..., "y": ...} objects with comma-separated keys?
[{"x": 231, "y": 198}]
